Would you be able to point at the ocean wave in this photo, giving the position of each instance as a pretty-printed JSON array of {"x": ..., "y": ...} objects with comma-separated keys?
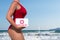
[{"x": 28, "y": 36}]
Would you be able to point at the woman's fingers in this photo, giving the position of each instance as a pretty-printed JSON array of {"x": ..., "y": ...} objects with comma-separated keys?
[{"x": 19, "y": 27}]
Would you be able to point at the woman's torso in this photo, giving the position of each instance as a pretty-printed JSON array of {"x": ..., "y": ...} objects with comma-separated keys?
[{"x": 19, "y": 13}]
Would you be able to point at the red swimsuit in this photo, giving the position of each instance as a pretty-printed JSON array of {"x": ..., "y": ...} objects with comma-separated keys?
[{"x": 19, "y": 13}]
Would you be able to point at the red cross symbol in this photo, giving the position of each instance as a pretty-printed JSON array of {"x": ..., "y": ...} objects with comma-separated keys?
[{"x": 21, "y": 21}]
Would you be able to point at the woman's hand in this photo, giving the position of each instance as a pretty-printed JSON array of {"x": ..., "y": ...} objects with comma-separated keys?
[{"x": 19, "y": 27}]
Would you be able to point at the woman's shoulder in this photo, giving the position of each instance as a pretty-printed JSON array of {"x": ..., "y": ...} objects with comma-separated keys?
[{"x": 14, "y": 3}]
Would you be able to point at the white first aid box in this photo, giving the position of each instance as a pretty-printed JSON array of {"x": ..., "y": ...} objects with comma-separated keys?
[{"x": 22, "y": 22}]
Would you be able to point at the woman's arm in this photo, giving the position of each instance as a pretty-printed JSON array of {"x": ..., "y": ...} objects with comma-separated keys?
[{"x": 10, "y": 13}]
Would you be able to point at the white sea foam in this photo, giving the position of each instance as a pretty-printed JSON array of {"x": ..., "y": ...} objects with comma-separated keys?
[
  {"x": 49, "y": 36},
  {"x": 34, "y": 36},
  {"x": 27, "y": 36}
]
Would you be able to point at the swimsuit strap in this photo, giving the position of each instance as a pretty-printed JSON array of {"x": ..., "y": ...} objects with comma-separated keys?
[{"x": 17, "y": 2}]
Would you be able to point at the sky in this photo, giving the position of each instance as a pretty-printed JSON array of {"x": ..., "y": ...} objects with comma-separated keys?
[{"x": 42, "y": 14}]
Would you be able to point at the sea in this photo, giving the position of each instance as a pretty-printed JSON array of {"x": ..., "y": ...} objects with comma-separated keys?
[
  {"x": 33, "y": 35},
  {"x": 28, "y": 35},
  {"x": 49, "y": 35}
]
